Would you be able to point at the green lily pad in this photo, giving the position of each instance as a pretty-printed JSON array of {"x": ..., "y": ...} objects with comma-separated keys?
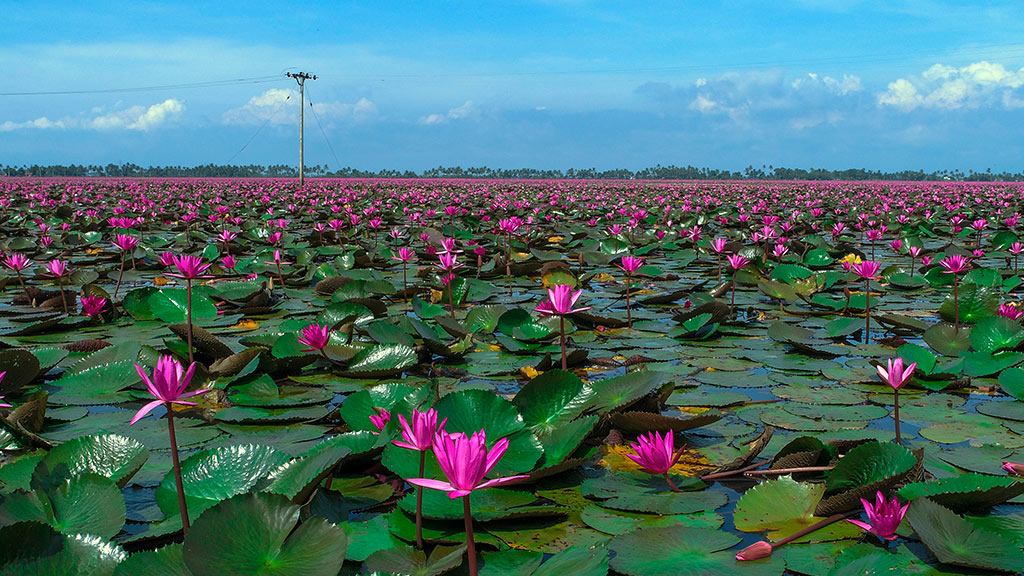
[
  {"x": 673, "y": 550},
  {"x": 965, "y": 492},
  {"x": 551, "y": 400},
  {"x": 219, "y": 545},
  {"x": 381, "y": 360},
  {"x": 110, "y": 455},
  {"x": 622, "y": 391},
  {"x": 210, "y": 476},
  {"x": 954, "y": 540},
  {"x": 166, "y": 561},
  {"x": 784, "y": 507},
  {"x": 408, "y": 560}
]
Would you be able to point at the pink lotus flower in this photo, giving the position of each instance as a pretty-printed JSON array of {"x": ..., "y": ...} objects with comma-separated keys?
[
  {"x": 914, "y": 251},
  {"x": 420, "y": 435},
  {"x": 125, "y": 242},
  {"x": 867, "y": 269},
  {"x": 167, "y": 385},
  {"x": 884, "y": 517},
  {"x": 896, "y": 375},
  {"x": 167, "y": 259},
  {"x": 1010, "y": 310},
  {"x": 630, "y": 264},
  {"x": 17, "y": 262},
  {"x": 404, "y": 255},
  {"x": 448, "y": 261},
  {"x": 737, "y": 262},
  {"x": 1011, "y": 467},
  {"x": 1017, "y": 247},
  {"x": 380, "y": 420},
  {"x": 655, "y": 453},
  {"x": 93, "y": 305},
  {"x": 465, "y": 461},
  {"x": 189, "y": 267},
  {"x": 560, "y": 302},
  {"x": 56, "y": 268},
  {"x": 228, "y": 262},
  {"x": 315, "y": 336},
  {"x": 955, "y": 264}
]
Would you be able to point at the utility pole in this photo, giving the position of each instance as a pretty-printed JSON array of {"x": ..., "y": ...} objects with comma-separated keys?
[{"x": 301, "y": 78}]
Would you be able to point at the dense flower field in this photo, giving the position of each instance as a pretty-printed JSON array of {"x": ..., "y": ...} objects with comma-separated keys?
[{"x": 224, "y": 377}]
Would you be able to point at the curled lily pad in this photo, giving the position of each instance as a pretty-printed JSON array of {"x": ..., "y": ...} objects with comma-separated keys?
[{"x": 970, "y": 491}]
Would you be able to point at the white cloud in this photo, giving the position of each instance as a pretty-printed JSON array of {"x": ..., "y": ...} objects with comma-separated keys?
[
  {"x": 941, "y": 87},
  {"x": 42, "y": 123},
  {"x": 281, "y": 106},
  {"x": 138, "y": 117},
  {"x": 703, "y": 104},
  {"x": 847, "y": 85},
  {"x": 456, "y": 113},
  {"x": 141, "y": 118},
  {"x": 902, "y": 95}
]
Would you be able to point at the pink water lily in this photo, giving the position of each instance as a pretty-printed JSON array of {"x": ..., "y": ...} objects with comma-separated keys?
[
  {"x": 1015, "y": 468},
  {"x": 657, "y": 454},
  {"x": 419, "y": 436},
  {"x": 167, "y": 384},
  {"x": 93, "y": 305},
  {"x": 630, "y": 264},
  {"x": 560, "y": 302},
  {"x": 896, "y": 376},
  {"x": 884, "y": 517},
  {"x": 316, "y": 336},
  {"x": 465, "y": 461},
  {"x": 188, "y": 266},
  {"x": 380, "y": 420}
]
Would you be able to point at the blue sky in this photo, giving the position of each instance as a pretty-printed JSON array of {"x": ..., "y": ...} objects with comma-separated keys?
[{"x": 893, "y": 85}]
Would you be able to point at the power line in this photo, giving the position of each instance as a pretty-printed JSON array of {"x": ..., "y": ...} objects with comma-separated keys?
[
  {"x": 208, "y": 84},
  {"x": 337, "y": 163},
  {"x": 258, "y": 130}
]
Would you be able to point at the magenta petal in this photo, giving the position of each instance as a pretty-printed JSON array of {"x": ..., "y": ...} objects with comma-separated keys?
[
  {"x": 501, "y": 481},
  {"x": 459, "y": 493},
  {"x": 862, "y": 525},
  {"x": 430, "y": 483},
  {"x": 145, "y": 410},
  {"x": 404, "y": 445}
]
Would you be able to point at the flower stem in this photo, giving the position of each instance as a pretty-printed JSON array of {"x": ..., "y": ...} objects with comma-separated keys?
[
  {"x": 671, "y": 484},
  {"x": 188, "y": 312},
  {"x": 956, "y": 308},
  {"x": 732, "y": 300},
  {"x": 120, "y": 273},
  {"x": 867, "y": 310},
  {"x": 816, "y": 526},
  {"x": 629, "y": 313},
  {"x": 470, "y": 544},
  {"x": 896, "y": 414},
  {"x": 63, "y": 300},
  {"x": 183, "y": 509},
  {"x": 783, "y": 471},
  {"x": 561, "y": 341},
  {"x": 419, "y": 502}
]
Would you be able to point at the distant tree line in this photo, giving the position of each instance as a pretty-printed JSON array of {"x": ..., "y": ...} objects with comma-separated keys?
[{"x": 658, "y": 172}]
